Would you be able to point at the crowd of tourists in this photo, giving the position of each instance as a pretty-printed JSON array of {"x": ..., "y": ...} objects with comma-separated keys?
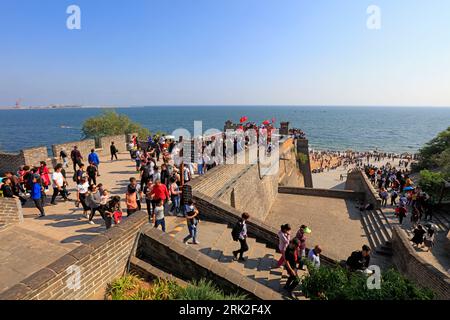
[
  {"x": 332, "y": 160},
  {"x": 397, "y": 190}
]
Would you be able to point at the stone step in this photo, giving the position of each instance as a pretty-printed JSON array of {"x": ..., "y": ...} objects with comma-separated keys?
[
  {"x": 377, "y": 227},
  {"x": 386, "y": 226},
  {"x": 370, "y": 232}
]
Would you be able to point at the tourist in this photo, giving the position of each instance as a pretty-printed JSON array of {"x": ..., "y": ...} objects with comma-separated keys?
[
  {"x": 114, "y": 151},
  {"x": 415, "y": 216},
  {"x": 384, "y": 195},
  {"x": 291, "y": 260},
  {"x": 314, "y": 256},
  {"x": 165, "y": 175},
  {"x": 301, "y": 236},
  {"x": 401, "y": 212},
  {"x": 144, "y": 174},
  {"x": 239, "y": 233},
  {"x": 36, "y": 195},
  {"x": 156, "y": 175},
  {"x": 418, "y": 236},
  {"x": 148, "y": 199},
  {"x": 200, "y": 165},
  {"x": 284, "y": 237},
  {"x": 94, "y": 159},
  {"x": 131, "y": 198},
  {"x": 76, "y": 157},
  {"x": 359, "y": 260},
  {"x": 58, "y": 184},
  {"x": 91, "y": 171},
  {"x": 429, "y": 239},
  {"x": 159, "y": 192},
  {"x": 82, "y": 193},
  {"x": 175, "y": 195},
  {"x": 158, "y": 216},
  {"x": 394, "y": 196},
  {"x": 94, "y": 200},
  {"x": 16, "y": 187},
  {"x": 44, "y": 173},
  {"x": 80, "y": 173},
  {"x": 64, "y": 157},
  {"x": 105, "y": 197},
  {"x": 192, "y": 222},
  {"x": 134, "y": 185},
  {"x": 6, "y": 188},
  {"x": 112, "y": 211},
  {"x": 137, "y": 159}
]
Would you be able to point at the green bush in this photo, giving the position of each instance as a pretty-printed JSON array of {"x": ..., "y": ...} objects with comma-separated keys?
[
  {"x": 431, "y": 182},
  {"x": 110, "y": 123},
  {"x": 131, "y": 287},
  {"x": 337, "y": 283}
]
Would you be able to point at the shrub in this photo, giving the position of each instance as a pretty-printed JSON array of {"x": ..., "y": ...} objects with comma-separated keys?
[
  {"x": 131, "y": 287},
  {"x": 339, "y": 284},
  {"x": 110, "y": 123}
]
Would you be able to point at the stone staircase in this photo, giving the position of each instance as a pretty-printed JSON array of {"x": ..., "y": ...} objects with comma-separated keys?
[
  {"x": 379, "y": 234},
  {"x": 216, "y": 242}
]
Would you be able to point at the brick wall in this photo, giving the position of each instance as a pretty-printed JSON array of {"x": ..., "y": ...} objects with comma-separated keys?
[
  {"x": 10, "y": 211},
  {"x": 100, "y": 260},
  {"x": 84, "y": 146},
  {"x": 289, "y": 171},
  {"x": 416, "y": 268},
  {"x": 358, "y": 182},
  {"x": 327, "y": 193},
  {"x": 165, "y": 252}
]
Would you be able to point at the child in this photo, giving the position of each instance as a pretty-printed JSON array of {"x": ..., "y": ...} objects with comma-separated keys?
[
  {"x": 105, "y": 197},
  {"x": 158, "y": 216}
]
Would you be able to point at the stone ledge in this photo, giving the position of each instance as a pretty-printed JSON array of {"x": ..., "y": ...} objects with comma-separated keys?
[{"x": 15, "y": 293}]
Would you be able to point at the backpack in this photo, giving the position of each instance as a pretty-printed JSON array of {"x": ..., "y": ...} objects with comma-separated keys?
[{"x": 237, "y": 229}]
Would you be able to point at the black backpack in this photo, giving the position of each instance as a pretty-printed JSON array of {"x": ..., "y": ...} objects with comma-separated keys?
[{"x": 237, "y": 229}]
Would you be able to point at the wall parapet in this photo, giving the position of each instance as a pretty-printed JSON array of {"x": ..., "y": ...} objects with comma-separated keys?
[
  {"x": 358, "y": 182},
  {"x": 10, "y": 211},
  {"x": 327, "y": 193},
  {"x": 96, "y": 263},
  {"x": 416, "y": 268}
]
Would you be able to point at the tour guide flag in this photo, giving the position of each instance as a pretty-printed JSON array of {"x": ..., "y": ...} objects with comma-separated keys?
[
  {"x": 267, "y": 122},
  {"x": 244, "y": 119}
]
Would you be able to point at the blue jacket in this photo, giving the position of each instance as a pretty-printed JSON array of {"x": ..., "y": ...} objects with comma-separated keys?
[
  {"x": 93, "y": 157},
  {"x": 36, "y": 191}
]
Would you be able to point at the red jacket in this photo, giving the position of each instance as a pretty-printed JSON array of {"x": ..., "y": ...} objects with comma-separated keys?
[{"x": 160, "y": 192}]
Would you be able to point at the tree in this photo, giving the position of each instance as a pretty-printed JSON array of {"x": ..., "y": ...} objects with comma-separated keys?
[
  {"x": 431, "y": 182},
  {"x": 431, "y": 154},
  {"x": 110, "y": 123}
]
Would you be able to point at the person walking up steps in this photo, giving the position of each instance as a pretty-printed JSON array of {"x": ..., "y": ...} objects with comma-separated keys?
[
  {"x": 192, "y": 222},
  {"x": 239, "y": 233},
  {"x": 291, "y": 256},
  {"x": 284, "y": 237}
]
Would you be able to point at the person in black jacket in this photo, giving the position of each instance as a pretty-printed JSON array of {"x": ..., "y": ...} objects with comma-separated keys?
[
  {"x": 359, "y": 260},
  {"x": 7, "y": 188},
  {"x": 114, "y": 151}
]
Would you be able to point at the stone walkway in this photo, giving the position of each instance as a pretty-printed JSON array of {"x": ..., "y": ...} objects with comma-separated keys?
[
  {"x": 335, "y": 223},
  {"x": 34, "y": 244}
]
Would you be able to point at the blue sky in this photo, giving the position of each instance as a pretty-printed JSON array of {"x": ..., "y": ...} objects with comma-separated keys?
[{"x": 256, "y": 52}]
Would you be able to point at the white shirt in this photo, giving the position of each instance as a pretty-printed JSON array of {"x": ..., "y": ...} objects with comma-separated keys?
[
  {"x": 59, "y": 178},
  {"x": 83, "y": 188},
  {"x": 315, "y": 259}
]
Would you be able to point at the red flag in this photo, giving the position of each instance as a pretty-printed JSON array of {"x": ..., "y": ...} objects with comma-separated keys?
[
  {"x": 267, "y": 122},
  {"x": 244, "y": 119}
]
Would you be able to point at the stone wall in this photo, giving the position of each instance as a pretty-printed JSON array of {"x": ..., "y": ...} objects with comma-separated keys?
[
  {"x": 416, "y": 268},
  {"x": 327, "y": 193},
  {"x": 99, "y": 261},
  {"x": 10, "y": 211},
  {"x": 85, "y": 147},
  {"x": 10, "y": 162},
  {"x": 165, "y": 252},
  {"x": 289, "y": 171},
  {"x": 34, "y": 156},
  {"x": 358, "y": 182},
  {"x": 305, "y": 168}
]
